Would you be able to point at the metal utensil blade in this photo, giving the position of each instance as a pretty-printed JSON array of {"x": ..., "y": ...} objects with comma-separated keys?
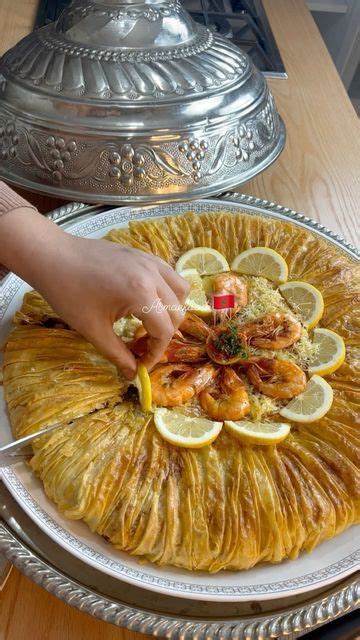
[{"x": 15, "y": 451}]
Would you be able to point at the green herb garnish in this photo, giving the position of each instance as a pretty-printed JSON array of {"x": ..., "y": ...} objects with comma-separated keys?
[{"x": 229, "y": 343}]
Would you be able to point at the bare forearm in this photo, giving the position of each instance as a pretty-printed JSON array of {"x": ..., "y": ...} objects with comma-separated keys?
[
  {"x": 29, "y": 243},
  {"x": 91, "y": 283}
]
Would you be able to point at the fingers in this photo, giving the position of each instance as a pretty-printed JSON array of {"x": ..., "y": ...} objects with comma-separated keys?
[
  {"x": 161, "y": 322},
  {"x": 160, "y": 328},
  {"x": 172, "y": 305},
  {"x": 113, "y": 348},
  {"x": 161, "y": 295},
  {"x": 178, "y": 284}
]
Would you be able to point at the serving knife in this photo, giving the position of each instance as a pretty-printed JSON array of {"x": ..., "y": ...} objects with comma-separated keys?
[{"x": 19, "y": 449}]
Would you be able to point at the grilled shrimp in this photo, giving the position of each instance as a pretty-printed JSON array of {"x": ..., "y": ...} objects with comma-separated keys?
[
  {"x": 184, "y": 351},
  {"x": 276, "y": 378},
  {"x": 175, "y": 384},
  {"x": 178, "y": 350},
  {"x": 195, "y": 326},
  {"x": 140, "y": 347},
  {"x": 226, "y": 398},
  {"x": 229, "y": 282},
  {"x": 273, "y": 331}
]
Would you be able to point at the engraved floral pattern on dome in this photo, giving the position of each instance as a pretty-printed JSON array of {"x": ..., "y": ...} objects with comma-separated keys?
[
  {"x": 9, "y": 140},
  {"x": 131, "y": 166},
  {"x": 194, "y": 150},
  {"x": 127, "y": 164},
  {"x": 151, "y": 13},
  {"x": 60, "y": 153},
  {"x": 243, "y": 142}
]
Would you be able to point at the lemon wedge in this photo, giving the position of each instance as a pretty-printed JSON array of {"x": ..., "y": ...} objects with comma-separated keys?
[
  {"x": 312, "y": 404},
  {"x": 185, "y": 431},
  {"x": 305, "y": 300},
  {"x": 205, "y": 260},
  {"x": 331, "y": 352},
  {"x": 143, "y": 384},
  {"x": 261, "y": 261},
  {"x": 196, "y": 300},
  {"x": 261, "y": 433}
]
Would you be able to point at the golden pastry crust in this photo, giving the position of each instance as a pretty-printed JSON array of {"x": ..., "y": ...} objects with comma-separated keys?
[
  {"x": 225, "y": 506},
  {"x": 54, "y": 375},
  {"x": 36, "y": 311}
]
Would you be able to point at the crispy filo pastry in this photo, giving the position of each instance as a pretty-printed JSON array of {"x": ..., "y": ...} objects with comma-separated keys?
[
  {"x": 54, "y": 375},
  {"x": 225, "y": 506},
  {"x": 220, "y": 507}
]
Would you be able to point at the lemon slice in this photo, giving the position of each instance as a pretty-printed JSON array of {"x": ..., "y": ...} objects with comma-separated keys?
[
  {"x": 196, "y": 300},
  {"x": 258, "y": 432},
  {"x": 185, "y": 431},
  {"x": 305, "y": 300},
  {"x": 261, "y": 261},
  {"x": 143, "y": 384},
  {"x": 312, "y": 404},
  {"x": 207, "y": 283},
  {"x": 331, "y": 352},
  {"x": 204, "y": 259}
]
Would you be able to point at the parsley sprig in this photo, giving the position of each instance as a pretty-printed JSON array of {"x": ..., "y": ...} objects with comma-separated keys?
[{"x": 229, "y": 343}]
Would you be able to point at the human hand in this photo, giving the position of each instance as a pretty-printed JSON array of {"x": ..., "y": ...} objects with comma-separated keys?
[{"x": 93, "y": 283}]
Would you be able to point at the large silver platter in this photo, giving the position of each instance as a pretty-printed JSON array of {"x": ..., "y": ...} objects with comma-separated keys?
[
  {"x": 118, "y": 603},
  {"x": 337, "y": 568}
]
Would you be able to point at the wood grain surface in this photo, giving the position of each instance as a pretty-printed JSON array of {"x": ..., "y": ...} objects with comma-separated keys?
[
  {"x": 27, "y": 612},
  {"x": 319, "y": 171},
  {"x": 317, "y": 174}
]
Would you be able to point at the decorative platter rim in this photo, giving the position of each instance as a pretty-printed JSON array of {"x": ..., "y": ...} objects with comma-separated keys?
[
  {"x": 180, "y": 588},
  {"x": 313, "y": 580},
  {"x": 341, "y": 599},
  {"x": 76, "y": 209}
]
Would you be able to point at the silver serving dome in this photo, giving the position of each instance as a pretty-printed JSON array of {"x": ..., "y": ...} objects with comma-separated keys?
[{"x": 122, "y": 101}]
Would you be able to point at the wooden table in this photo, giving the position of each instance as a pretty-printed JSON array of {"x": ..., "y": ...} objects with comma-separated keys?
[{"x": 318, "y": 173}]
